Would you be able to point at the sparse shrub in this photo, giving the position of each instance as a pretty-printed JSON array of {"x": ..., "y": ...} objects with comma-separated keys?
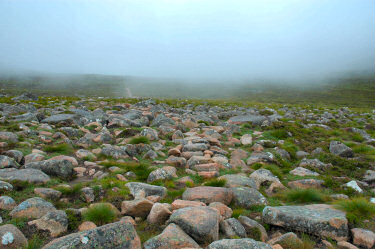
[
  {"x": 357, "y": 209},
  {"x": 100, "y": 214},
  {"x": 139, "y": 140},
  {"x": 65, "y": 149},
  {"x": 304, "y": 196},
  {"x": 216, "y": 183}
]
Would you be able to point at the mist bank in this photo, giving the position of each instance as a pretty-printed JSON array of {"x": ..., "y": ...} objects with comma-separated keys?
[{"x": 356, "y": 88}]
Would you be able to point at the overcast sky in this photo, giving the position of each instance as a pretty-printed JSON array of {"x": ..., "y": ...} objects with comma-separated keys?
[{"x": 188, "y": 38}]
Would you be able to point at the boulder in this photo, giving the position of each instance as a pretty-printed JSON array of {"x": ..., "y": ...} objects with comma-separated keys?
[
  {"x": 238, "y": 244},
  {"x": 165, "y": 173},
  {"x": 48, "y": 193},
  {"x": 7, "y": 203},
  {"x": 12, "y": 237},
  {"x": 7, "y": 162},
  {"x": 317, "y": 219},
  {"x": 5, "y": 186},
  {"x": 201, "y": 223},
  {"x": 306, "y": 183},
  {"x": 59, "y": 168},
  {"x": 26, "y": 175},
  {"x": 159, "y": 213},
  {"x": 232, "y": 227},
  {"x": 137, "y": 208},
  {"x": 172, "y": 237},
  {"x": 253, "y": 228},
  {"x": 34, "y": 207},
  {"x": 263, "y": 177},
  {"x": 118, "y": 235},
  {"x": 139, "y": 189},
  {"x": 300, "y": 171},
  {"x": 61, "y": 119},
  {"x": 248, "y": 197},
  {"x": 236, "y": 180},
  {"x": 208, "y": 194},
  {"x": 363, "y": 238},
  {"x": 55, "y": 222},
  {"x": 340, "y": 149}
]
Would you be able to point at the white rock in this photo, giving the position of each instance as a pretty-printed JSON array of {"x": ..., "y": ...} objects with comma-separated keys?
[{"x": 353, "y": 184}]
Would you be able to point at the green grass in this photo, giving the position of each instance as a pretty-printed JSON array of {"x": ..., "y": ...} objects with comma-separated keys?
[
  {"x": 35, "y": 242},
  {"x": 139, "y": 140},
  {"x": 304, "y": 196},
  {"x": 64, "y": 149},
  {"x": 72, "y": 191},
  {"x": 215, "y": 183},
  {"x": 357, "y": 209},
  {"x": 100, "y": 214}
]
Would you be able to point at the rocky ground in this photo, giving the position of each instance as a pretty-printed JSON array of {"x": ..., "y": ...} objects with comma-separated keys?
[{"x": 143, "y": 173}]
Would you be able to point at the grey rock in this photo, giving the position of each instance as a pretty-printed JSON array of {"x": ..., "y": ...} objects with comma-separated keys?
[
  {"x": 15, "y": 154},
  {"x": 7, "y": 203},
  {"x": 232, "y": 227},
  {"x": 5, "y": 186},
  {"x": 138, "y": 189},
  {"x": 118, "y": 235},
  {"x": 238, "y": 244},
  {"x": 201, "y": 223},
  {"x": 7, "y": 162},
  {"x": 61, "y": 119},
  {"x": 254, "y": 119},
  {"x": 8, "y": 136},
  {"x": 59, "y": 168},
  {"x": 55, "y": 222},
  {"x": 234, "y": 180},
  {"x": 35, "y": 207},
  {"x": 340, "y": 149},
  {"x": 317, "y": 219},
  {"x": 12, "y": 237},
  {"x": 165, "y": 173},
  {"x": 247, "y": 197},
  {"x": 27, "y": 175},
  {"x": 251, "y": 226}
]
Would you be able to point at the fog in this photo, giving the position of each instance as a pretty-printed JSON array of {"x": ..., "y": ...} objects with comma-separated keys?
[{"x": 189, "y": 39}]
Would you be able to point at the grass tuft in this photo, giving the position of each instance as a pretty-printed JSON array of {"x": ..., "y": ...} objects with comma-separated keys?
[
  {"x": 304, "y": 196},
  {"x": 139, "y": 140},
  {"x": 215, "y": 183},
  {"x": 100, "y": 214},
  {"x": 357, "y": 209}
]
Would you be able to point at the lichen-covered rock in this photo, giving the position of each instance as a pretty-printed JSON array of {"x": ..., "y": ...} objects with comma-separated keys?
[
  {"x": 15, "y": 154},
  {"x": 48, "y": 193},
  {"x": 300, "y": 171},
  {"x": 172, "y": 237},
  {"x": 340, "y": 149},
  {"x": 7, "y": 162},
  {"x": 7, "y": 203},
  {"x": 208, "y": 194},
  {"x": 11, "y": 237},
  {"x": 318, "y": 219},
  {"x": 224, "y": 211},
  {"x": 55, "y": 222},
  {"x": 247, "y": 197},
  {"x": 61, "y": 119},
  {"x": 118, "y": 235},
  {"x": 263, "y": 177},
  {"x": 165, "y": 173},
  {"x": 25, "y": 175},
  {"x": 238, "y": 244},
  {"x": 234, "y": 180},
  {"x": 139, "y": 189},
  {"x": 8, "y": 136},
  {"x": 59, "y": 168},
  {"x": 253, "y": 228},
  {"x": 232, "y": 227},
  {"x": 201, "y": 223},
  {"x": 5, "y": 186},
  {"x": 34, "y": 207}
]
